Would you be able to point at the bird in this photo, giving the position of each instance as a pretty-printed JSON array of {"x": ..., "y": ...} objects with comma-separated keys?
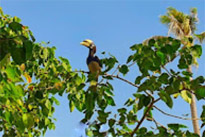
[{"x": 93, "y": 62}]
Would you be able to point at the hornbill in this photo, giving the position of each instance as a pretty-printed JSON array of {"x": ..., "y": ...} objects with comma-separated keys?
[{"x": 92, "y": 61}]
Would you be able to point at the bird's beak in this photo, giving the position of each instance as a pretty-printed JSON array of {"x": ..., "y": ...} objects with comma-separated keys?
[{"x": 86, "y": 44}]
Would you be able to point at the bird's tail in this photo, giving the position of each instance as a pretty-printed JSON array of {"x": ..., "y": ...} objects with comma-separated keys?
[
  {"x": 93, "y": 85},
  {"x": 94, "y": 82}
]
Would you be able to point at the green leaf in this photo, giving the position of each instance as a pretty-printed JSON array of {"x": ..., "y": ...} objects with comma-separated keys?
[
  {"x": 149, "y": 115},
  {"x": 203, "y": 116},
  {"x": 111, "y": 122},
  {"x": 13, "y": 74},
  {"x": 185, "y": 95},
  {"x": 146, "y": 100},
  {"x": 27, "y": 120},
  {"x": 18, "y": 54},
  {"x": 31, "y": 35},
  {"x": 29, "y": 49},
  {"x": 134, "y": 47},
  {"x": 203, "y": 134},
  {"x": 130, "y": 58},
  {"x": 5, "y": 49},
  {"x": 8, "y": 116},
  {"x": 48, "y": 104},
  {"x": 55, "y": 100},
  {"x": 151, "y": 42},
  {"x": 129, "y": 102},
  {"x": 169, "y": 49},
  {"x": 90, "y": 101},
  {"x": 81, "y": 86},
  {"x": 166, "y": 98},
  {"x": 188, "y": 134},
  {"x": 1, "y": 11},
  {"x": 122, "y": 110},
  {"x": 175, "y": 45},
  {"x": 102, "y": 116},
  {"x": 138, "y": 79},
  {"x": 196, "y": 50},
  {"x": 71, "y": 106},
  {"x": 176, "y": 127},
  {"x": 108, "y": 77},
  {"x": 15, "y": 26},
  {"x": 1, "y": 77},
  {"x": 182, "y": 63},
  {"x": 163, "y": 78},
  {"x": 16, "y": 19},
  {"x": 186, "y": 73},
  {"x": 142, "y": 130},
  {"x": 143, "y": 101},
  {"x": 110, "y": 100},
  {"x": 200, "y": 92},
  {"x": 5, "y": 60},
  {"x": 65, "y": 63},
  {"x": 45, "y": 53},
  {"x": 176, "y": 84},
  {"x": 17, "y": 90},
  {"x": 162, "y": 57},
  {"x": 124, "y": 69}
]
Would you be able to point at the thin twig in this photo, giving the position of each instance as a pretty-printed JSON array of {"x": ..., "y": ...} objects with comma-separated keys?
[
  {"x": 174, "y": 116},
  {"x": 157, "y": 123},
  {"x": 82, "y": 71},
  {"x": 114, "y": 72},
  {"x": 149, "y": 94},
  {"x": 131, "y": 64},
  {"x": 167, "y": 71},
  {"x": 120, "y": 78}
]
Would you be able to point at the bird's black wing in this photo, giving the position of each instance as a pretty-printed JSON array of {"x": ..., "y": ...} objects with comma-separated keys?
[{"x": 98, "y": 60}]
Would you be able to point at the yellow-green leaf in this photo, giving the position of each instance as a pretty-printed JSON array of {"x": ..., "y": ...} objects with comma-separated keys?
[{"x": 185, "y": 96}]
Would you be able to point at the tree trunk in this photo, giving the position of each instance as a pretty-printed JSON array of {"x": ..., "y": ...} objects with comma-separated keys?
[{"x": 193, "y": 107}]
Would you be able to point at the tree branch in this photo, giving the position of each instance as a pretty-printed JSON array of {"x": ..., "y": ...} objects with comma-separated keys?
[
  {"x": 167, "y": 71},
  {"x": 174, "y": 116},
  {"x": 131, "y": 64},
  {"x": 157, "y": 123},
  {"x": 120, "y": 78},
  {"x": 144, "y": 116}
]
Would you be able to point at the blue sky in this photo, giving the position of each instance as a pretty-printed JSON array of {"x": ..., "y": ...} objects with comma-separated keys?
[{"x": 114, "y": 26}]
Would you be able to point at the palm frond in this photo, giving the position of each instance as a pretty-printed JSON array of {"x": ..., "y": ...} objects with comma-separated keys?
[
  {"x": 193, "y": 19},
  {"x": 165, "y": 19},
  {"x": 180, "y": 24},
  {"x": 200, "y": 37}
]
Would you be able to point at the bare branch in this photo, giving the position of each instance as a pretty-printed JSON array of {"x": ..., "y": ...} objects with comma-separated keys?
[
  {"x": 120, "y": 78},
  {"x": 167, "y": 71},
  {"x": 174, "y": 116},
  {"x": 157, "y": 123},
  {"x": 131, "y": 64}
]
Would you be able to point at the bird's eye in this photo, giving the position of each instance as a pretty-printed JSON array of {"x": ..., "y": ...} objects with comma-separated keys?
[{"x": 91, "y": 46}]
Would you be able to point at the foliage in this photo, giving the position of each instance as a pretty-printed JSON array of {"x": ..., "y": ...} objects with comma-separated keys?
[
  {"x": 180, "y": 24},
  {"x": 31, "y": 76}
]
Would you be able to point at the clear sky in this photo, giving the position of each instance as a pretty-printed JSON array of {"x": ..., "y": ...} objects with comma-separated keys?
[{"x": 114, "y": 26}]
